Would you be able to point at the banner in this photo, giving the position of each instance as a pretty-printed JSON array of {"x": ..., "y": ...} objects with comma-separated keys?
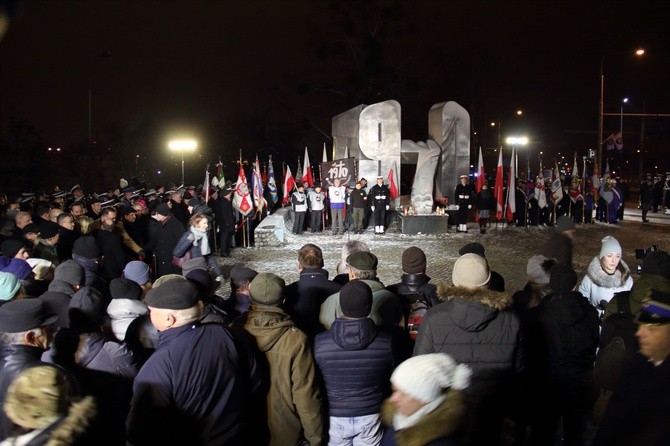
[
  {"x": 343, "y": 169},
  {"x": 272, "y": 183},
  {"x": 241, "y": 198}
]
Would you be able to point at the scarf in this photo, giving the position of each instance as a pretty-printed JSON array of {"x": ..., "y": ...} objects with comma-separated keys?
[{"x": 201, "y": 237}]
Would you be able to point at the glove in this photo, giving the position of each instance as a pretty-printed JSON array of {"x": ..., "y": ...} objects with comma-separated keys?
[
  {"x": 190, "y": 238},
  {"x": 373, "y": 208},
  {"x": 469, "y": 206},
  {"x": 387, "y": 207}
]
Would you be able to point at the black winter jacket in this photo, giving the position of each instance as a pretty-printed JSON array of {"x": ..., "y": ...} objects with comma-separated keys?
[
  {"x": 355, "y": 361},
  {"x": 304, "y": 298}
]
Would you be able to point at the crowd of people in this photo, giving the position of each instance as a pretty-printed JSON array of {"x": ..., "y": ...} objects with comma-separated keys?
[{"x": 100, "y": 344}]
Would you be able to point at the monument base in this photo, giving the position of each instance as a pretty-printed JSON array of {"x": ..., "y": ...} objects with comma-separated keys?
[{"x": 424, "y": 224}]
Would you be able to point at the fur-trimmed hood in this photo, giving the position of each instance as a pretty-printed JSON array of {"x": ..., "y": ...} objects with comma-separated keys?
[
  {"x": 604, "y": 280},
  {"x": 473, "y": 309}
]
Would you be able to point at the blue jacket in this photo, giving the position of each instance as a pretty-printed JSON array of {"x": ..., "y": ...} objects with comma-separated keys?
[
  {"x": 191, "y": 390},
  {"x": 356, "y": 362}
]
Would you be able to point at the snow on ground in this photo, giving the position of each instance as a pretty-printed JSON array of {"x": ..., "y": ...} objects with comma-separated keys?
[{"x": 507, "y": 249}]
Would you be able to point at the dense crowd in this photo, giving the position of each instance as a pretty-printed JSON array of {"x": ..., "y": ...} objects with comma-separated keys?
[{"x": 111, "y": 332}]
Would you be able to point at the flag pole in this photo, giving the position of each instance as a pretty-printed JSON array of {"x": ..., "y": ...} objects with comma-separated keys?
[{"x": 583, "y": 190}]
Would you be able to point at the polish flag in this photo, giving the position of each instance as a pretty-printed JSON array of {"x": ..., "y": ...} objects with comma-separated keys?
[
  {"x": 498, "y": 189},
  {"x": 393, "y": 188},
  {"x": 307, "y": 176},
  {"x": 289, "y": 185},
  {"x": 481, "y": 176}
]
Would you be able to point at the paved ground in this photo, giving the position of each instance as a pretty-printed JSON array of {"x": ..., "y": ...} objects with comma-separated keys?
[{"x": 507, "y": 248}]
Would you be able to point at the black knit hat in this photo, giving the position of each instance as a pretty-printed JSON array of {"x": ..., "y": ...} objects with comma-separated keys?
[
  {"x": 356, "y": 299},
  {"x": 163, "y": 209},
  {"x": 87, "y": 309},
  {"x": 48, "y": 229},
  {"x": 87, "y": 247},
  {"x": 177, "y": 294},
  {"x": 125, "y": 289},
  {"x": 11, "y": 247},
  {"x": 413, "y": 260},
  {"x": 562, "y": 278}
]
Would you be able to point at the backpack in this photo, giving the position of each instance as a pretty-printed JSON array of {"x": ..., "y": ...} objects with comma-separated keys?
[{"x": 419, "y": 303}]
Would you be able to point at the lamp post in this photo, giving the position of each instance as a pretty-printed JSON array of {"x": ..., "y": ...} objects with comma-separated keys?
[
  {"x": 516, "y": 141},
  {"x": 181, "y": 145},
  {"x": 638, "y": 52},
  {"x": 623, "y": 101}
]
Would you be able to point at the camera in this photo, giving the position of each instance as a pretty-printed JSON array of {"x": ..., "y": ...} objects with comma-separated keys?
[{"x": 642, "y": 253}]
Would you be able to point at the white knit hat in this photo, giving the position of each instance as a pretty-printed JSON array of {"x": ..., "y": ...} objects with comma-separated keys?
[
  {"x": 471, "y": 271},
  {"x": 610, "y": 244},
  {"x": 425, "y": 377}
]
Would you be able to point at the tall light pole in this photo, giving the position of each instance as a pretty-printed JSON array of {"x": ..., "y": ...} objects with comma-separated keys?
[
  {"x": 516, "y": 141},
  {"x": 181, "y": 145},
  {"x": 623, "y": 101},
  {"x": 638, "y": 52}
]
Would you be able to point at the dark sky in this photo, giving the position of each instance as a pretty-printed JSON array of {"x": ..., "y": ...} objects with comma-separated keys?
[{"x": 266, "y": 76}]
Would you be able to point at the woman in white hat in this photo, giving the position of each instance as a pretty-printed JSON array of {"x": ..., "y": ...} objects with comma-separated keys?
[
  {"x": 427, "y": 405},
  {"x": 606, "y": 275}
]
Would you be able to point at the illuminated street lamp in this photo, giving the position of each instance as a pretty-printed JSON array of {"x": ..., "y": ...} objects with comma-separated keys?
[
  {"x": 638, "y": 52},
  {"x": 182, "y": 145},
  {"x": 623, "y": 101},
  {"x": 516, "y": 141}
]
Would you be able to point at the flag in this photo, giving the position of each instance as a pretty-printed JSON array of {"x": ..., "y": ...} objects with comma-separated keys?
[
  {"x": 298, "y": 173},
  {"x": 575, "y": 170},
  {"x": 481, "y": 176},
  {"x": 307, "y": 176},
  {"x": 272, "y": 184},
  {"x": 556, "y": 187},
  {"x": 205, "y": 184},
  {"x": 289, "y": 184},
  {"x": 618, "y": 141},
  {"x": 540, "y": 194},
  {"x": 609, "y": 142},
  {"x": 607, "y": 168},
  {"x": 219, "y": 173},
  {"x": 324, "y": 158},
  {"x": 498, "y": 189},
  {"x": 529, "y": 175},
  {"x": 264, "y": 176},
  {"x": 257, "y": 185},
  {"x": 393, "y": 188},
  {"x": 511, "y": 189},
  {"x": 241, "y": 199},
  {"x": 595, "y": 180}
]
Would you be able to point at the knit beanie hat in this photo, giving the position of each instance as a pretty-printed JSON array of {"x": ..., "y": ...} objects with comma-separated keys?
[
  {"x": 413, "y": 260},
  {"x": 19, "y": 267},
  {"x": 37, "y": 397},
  {"x": 87, "y": 247},
  {"x": 609, "y": 244},
  {"x": 267, "y": 289},
  {"x": 163, "y": 209},
  {"x": 87, "y": 308},
  {"x": 9, "y": 285},
  {"x": 125, "y": 289},
  {"x": 539, "y": 268},
  {"x": 426, "y": 377},
  {"x": 562, "y": 278},
  {"x": 194, "y": 264},
  {"x": 70, "y": 272},
  {"x": 471, "y": 271},
  {"x": 11, "y": 247},
  {"x": 356, "y": 299},
  {"x": 137, "y": 271}
]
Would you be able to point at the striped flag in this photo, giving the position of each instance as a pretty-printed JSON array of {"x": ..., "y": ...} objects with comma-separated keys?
[
  {"x": 481, "y": 175},
  {"x": 307, "y": 175},
  {"x": 289, "y": 185}
]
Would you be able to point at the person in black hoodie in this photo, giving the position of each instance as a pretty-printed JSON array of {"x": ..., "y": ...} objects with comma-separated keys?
[
  {"x": 561, "y": 345},
  {"x": 355, "y": 360}
]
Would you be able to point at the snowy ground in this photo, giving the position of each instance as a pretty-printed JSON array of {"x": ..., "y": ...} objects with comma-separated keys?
[{"x": 507, "y": 249}]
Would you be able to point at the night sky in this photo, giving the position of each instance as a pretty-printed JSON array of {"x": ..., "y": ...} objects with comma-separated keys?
[{"x": 268, "y": 76}]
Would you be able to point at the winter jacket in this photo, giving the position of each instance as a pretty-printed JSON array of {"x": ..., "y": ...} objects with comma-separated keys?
[
  {"x": 597, "y": 285},
  {"x": 475, "y": 327},
  {"x": 168, "y": 235},
  {"x": 57, "y": 299},
  {"x": 195, "y": 384},
  {"x": 42, "y": 250},
  {"x": 436, "y": 428},
  {"x": 123, "y": 312},
  {"x": 116, "y": 256},
  {"x": 293, "y": 399},
  {"x": 411, "y": 285},
  {"x": 359, "y": 198},
  {"x": 184, "y": 245},
  {"x": 299, "y": 201},
  {"x": 93, "y": 278},
  {"x": 379, "y": 195},
  {"x": 13, "y": 360},
  {"x": 303, "y": 299},
  {"x": 355, "y": 360}
]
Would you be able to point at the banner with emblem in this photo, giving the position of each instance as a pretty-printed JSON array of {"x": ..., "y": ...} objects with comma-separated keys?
[
  {"x": 344, "y": 169},
  {"x": 241, "y": 197}
]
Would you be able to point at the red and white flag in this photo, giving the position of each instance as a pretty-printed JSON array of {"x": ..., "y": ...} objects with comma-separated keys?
[
  {"x": 307, "y": 175},
  {"x": 498, "y": 189},
  {"x": 481, "y": 176},
  {"x": 393, "y": 188},
  {"x": 241, "y": 197},
  {"x": 289, "y": 185},
  {"x": 511, "y": 189}
]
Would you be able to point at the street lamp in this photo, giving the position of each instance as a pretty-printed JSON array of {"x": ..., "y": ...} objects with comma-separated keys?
[
  {"x": 623, "y": 101},
  {"x": 181, "y": 145},
  {"x": 638, "y": 52}
]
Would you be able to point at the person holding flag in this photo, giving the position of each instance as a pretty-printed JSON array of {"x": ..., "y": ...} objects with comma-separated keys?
[{"x": 380, "y": 199}]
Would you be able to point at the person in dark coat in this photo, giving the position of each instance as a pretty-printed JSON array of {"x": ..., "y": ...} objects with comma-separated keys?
[
  {"x": 521, "y": 200},
  {"x": 355, "y": 360},
  {"x": 26, "y": 331},
  {"x": 305, "y": 296},
  {"x": 179, "y": 208},
  {"x": 463, "y": 196},
  {"x": 87, "y": 253},
  {"x": 167, "y": 237},
  {"x": 66, "y": 236},
  {"x": 224, "y": 215},
  {"x": 485, "y": 203},
  {"x": 195, "y": 382},
  {"x": 638, "y": 410},
  {"x": 69, "y": 277},
  {"x": 359, "y": 204},
  {"x": 380, "y": 201},
  {"x": 562, "y": 337},
  {"x": 112, "y": 245},
  {"x": 476, "y": 326},
  {"x": 196, "y": 242},
  {"x": 240, "y": 279},
  {"x": 559, "y": 245},
  {"x": 299, "y": 206}
]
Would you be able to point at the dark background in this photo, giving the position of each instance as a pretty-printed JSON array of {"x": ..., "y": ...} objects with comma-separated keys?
[{"x": 266, "y": 77}]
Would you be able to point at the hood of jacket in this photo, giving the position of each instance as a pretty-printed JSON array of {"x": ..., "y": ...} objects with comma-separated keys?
[
  {"x": 267, "y": 325},
  {"x": 473, "y": 309},
  {"x": 604, "y": 280},
  {"x": 565, "y": 308},
  {"x": 91, "y": 266},
  {"x": 353, "y": 334},
  {"x": 61, "y": 286}
]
